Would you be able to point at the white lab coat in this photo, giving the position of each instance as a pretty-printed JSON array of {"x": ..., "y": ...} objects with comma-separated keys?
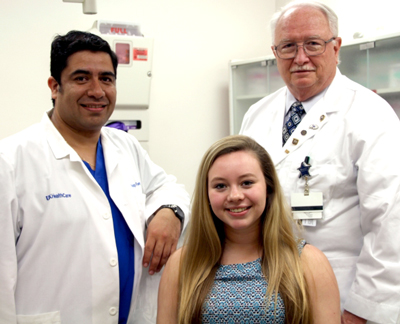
[
  {"x": 355, "y": 163},
  {"x": 59, "y": 261}
]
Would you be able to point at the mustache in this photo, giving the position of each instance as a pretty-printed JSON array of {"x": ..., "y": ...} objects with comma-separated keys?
[{"x": 302, "y": 68}]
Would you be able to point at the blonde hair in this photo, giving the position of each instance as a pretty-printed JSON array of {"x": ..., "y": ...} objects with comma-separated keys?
[{"x": 204, "y": 242}]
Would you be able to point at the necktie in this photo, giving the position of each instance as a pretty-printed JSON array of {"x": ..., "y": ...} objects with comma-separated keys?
[{"x": 296, "y": 112}]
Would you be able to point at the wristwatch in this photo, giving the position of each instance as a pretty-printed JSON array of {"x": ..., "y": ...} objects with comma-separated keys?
[{"x": 177, "y": 211}]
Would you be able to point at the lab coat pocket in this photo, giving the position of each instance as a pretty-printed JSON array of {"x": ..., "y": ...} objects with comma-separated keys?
[
  {"x": 45, "y": 318},
  {"x": 145, "y": 307}
]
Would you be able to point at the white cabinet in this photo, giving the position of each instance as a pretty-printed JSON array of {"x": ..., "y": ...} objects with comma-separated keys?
[
  {"x": 375, "y": 63},
  {"x": 251, "y": 80},
  {"x": 372, "y": 62}
]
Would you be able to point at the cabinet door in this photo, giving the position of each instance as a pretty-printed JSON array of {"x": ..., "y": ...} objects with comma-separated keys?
[
  {"x": 250, "y": 83},
  {"x": 384, "y": 63},
  {"x": 353, "y": 64},
  {"x": 375, "y": 65}
]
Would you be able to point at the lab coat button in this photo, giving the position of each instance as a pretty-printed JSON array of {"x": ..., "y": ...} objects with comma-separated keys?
[
  {"x": 113, "y": 262},
  {"x": 106, "y": 216},
  {"x": 113, "y": 311}
]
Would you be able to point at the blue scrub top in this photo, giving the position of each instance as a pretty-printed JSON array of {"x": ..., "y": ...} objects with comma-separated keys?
[{"x": 123, "y": 238}]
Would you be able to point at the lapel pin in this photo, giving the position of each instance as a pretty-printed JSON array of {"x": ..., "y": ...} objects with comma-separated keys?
[
  {"x": 295, "y": 141},
  {"x": 322, "y": 117},
  {"x": 313, "y": 127},
  {"x": 303, "y": 132}
]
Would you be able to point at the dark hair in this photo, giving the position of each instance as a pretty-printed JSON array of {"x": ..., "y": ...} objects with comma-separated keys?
[{"x": 74, "y": 41}]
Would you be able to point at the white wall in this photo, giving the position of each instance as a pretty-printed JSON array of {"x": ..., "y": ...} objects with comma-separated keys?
[{"x": 194, "y": 40}]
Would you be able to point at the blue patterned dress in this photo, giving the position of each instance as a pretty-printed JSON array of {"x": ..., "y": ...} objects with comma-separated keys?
[{"x": 238, "y": 295}]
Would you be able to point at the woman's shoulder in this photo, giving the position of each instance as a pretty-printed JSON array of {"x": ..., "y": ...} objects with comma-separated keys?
[
  {"x": 322, "y": 285},
  {"x": 168, "y": 291},
  {"x": 316, "y": 265},
  {"x": 175, "y": 258},
  {"x": 170, "y": 275},
  {"x": 312, "y": 254}
]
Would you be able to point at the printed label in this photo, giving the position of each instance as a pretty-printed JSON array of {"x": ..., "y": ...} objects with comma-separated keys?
[
  {"x": 59, "y": 195},
  {"x": 140, "y": 54}
]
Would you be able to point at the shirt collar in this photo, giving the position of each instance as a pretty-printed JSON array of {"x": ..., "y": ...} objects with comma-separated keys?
[{"x": 308, "y": 104}]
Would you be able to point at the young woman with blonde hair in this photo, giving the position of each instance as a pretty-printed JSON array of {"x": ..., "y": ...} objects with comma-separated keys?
[{"x": 241, "y": 262}]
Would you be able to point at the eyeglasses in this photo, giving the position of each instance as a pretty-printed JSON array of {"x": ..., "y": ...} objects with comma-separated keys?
[{"x": 312, "y": 47}]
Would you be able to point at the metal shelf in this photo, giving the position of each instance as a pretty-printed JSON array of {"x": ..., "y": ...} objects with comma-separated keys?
[
  {"x": 387, "y": 91},
  {"x": 252, "y": 97}
]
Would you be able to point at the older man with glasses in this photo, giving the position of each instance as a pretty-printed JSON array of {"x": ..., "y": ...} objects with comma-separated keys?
[{"x": 332, "y": 144}]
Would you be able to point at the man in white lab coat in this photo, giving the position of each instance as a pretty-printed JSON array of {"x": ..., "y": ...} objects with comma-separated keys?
[
  {"x": 75, "y": 201},
  {"x": 343, "y": 148}
]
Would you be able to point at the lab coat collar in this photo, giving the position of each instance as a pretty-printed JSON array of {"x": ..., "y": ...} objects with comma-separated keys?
[
  {"x": 62, "y": 149},
  {"x": 331, "y": 97},
  {"x": 315, "y": 119},
  {"x": 112, "y": 153},
  {"x": 57, "y": 143},
  {"x": 326, "y": 93}
]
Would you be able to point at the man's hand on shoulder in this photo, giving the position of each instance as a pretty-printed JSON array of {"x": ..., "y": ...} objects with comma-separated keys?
[
  {"x": 162, "y": 238},
  {"x": 349, "y": 318}
]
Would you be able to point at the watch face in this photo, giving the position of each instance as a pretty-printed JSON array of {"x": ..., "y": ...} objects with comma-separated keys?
[{"x": 177, "y": 211}]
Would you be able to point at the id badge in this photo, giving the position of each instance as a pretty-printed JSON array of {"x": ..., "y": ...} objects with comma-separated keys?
[{"x": 307, "y": 206}]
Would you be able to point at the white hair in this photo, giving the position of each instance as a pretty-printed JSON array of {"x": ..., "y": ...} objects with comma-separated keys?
[{"x": 328, "y": 12}]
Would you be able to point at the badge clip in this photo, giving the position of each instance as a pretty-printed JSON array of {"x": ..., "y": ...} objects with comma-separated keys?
[
  {"x": 307, "y": 207},
  {"x": 305, "y": 173}
]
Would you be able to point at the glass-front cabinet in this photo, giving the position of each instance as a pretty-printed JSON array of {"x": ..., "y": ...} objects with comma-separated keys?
[
  {"x": 251, "y": 80},
  {"x": 372, "y": 62}
]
